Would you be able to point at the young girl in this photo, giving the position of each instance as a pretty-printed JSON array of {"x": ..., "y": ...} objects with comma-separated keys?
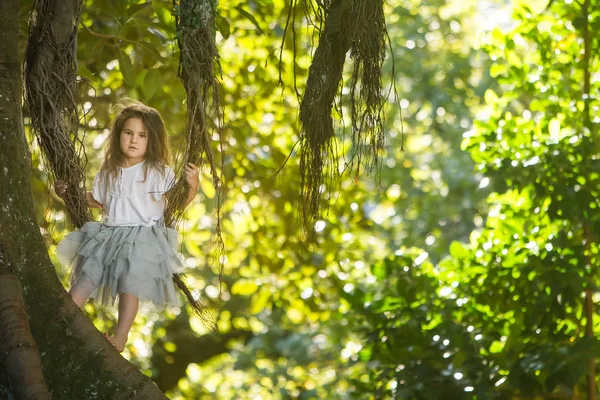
[{"x": 130, "y": 254}]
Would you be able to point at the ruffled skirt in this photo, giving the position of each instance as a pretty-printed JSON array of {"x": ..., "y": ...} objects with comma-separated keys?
[{"x": 137, "y": 260}]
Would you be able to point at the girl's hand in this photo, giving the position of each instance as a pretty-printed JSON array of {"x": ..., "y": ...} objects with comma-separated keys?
[
  {"x": 60, "y": 188},
  {"x": 192, "y": 176}
]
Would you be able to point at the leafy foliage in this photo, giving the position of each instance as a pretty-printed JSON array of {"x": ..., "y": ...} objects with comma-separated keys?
[
  {"x": 535, "y": 256},
  {"x": 416, "y": 287}
]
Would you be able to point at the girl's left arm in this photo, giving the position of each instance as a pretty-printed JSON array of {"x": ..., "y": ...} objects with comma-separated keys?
[
  {"x": 60, "y": 187},
  {"x": 92, "y": 202},
  {"x": 192, "y": 177}
]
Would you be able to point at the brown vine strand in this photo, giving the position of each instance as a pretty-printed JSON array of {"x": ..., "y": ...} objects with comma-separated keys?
[
  {"x": 317, "y": 151},
  {"x": 342, "y": 25},
  {"x": 366, "y": 91},
  {"x": 200, "y": 308},
  {"x": 198, "y": 67},
  {"x": 50, "y": 71}
]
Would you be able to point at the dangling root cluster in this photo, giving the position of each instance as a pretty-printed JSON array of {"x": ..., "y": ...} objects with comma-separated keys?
[
  {"x": 198, "y": 65},
  {"x": 317, "y": 151},
  {"x": 366, "y": 92},
  {"x": 357, "y": 26},
  {"x": 50, "y": 70}
]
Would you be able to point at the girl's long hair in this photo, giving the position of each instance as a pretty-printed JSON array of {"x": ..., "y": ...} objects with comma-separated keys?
[{"x": 158, "y": 153}]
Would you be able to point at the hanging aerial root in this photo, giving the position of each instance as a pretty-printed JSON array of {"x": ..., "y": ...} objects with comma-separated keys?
[
  {"x": 198, "y": 68},
  {"x": 342, "y": 25},
  {"x": 197, "y": 304},
  {"x": 366, "y": 93},
  {"x": 50, "y": 70},
  {"x": 317, "y": 151}
]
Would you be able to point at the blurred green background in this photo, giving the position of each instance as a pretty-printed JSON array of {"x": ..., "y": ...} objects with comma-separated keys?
[{"x": 460, "y": 271}]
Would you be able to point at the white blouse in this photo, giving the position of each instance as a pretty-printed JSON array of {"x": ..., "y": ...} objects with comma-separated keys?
[{"x": 128, "y": 199}]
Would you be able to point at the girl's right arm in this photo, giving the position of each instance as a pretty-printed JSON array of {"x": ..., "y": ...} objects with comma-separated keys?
[{"x": 92, "y": 203}]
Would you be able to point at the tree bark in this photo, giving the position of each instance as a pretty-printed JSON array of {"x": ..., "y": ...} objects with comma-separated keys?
[
  {"x": 77, "y": 362},
  {"x": 18, "y": 352}
]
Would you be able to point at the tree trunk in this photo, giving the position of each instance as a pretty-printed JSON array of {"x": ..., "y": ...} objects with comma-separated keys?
[
  {"x": 20, "y": 358},
  {"x": 77, "y": 362}
]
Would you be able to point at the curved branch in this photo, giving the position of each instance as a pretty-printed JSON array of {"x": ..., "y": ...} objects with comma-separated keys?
[{"x": 18, "y": 352}]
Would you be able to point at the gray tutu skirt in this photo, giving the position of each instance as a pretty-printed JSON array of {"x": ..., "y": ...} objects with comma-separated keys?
[{"x": 137, "y": 260}]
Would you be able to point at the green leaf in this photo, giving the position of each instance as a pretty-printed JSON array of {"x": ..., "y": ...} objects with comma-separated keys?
[
  {"x": 458, "y": 250},
  {"x": 250, "y": 18},
  {"x": 152, "y": 81},
  {"x": 379, "y": 270},
  {"x": 498, "y": 70},
  {"x": 260, "y": 301},
  {"x": 365, "y": 353},
  {"x": 244, "y": 287},
  {"x": 136, "y": 8},
  {"x": 223, "y": 26},
  {"x": 127, "y": 70},
  {"x": 490, "y": 97},
  {"x": 150, "y": 52},
  {"x": 388, "y": 304}
]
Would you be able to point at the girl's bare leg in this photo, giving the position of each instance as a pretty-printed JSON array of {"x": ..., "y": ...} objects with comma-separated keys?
[
  {"x": 80, "y": 292},
  {"x": 128, "y": 308}
]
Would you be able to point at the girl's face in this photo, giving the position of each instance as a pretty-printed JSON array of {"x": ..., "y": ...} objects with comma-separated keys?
[{"x": 134, "y": 141}]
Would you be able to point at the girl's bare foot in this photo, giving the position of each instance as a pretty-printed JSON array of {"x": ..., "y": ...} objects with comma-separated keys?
[{"x": 117, "y": 341}]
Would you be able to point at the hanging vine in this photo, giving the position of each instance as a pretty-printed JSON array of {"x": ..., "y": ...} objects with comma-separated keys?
[
  {"x": 358, "y": 27},
  {"x": 198, "y": 69},
  {"x": 317, "y": 146},
  {"x": 50, "y": 71}
]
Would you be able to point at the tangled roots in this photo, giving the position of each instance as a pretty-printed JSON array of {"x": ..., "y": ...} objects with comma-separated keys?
[{"x": 50, "y": 70}]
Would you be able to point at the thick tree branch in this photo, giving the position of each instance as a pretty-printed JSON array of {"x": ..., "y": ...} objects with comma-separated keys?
[{"x": 18, "y": 352}]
